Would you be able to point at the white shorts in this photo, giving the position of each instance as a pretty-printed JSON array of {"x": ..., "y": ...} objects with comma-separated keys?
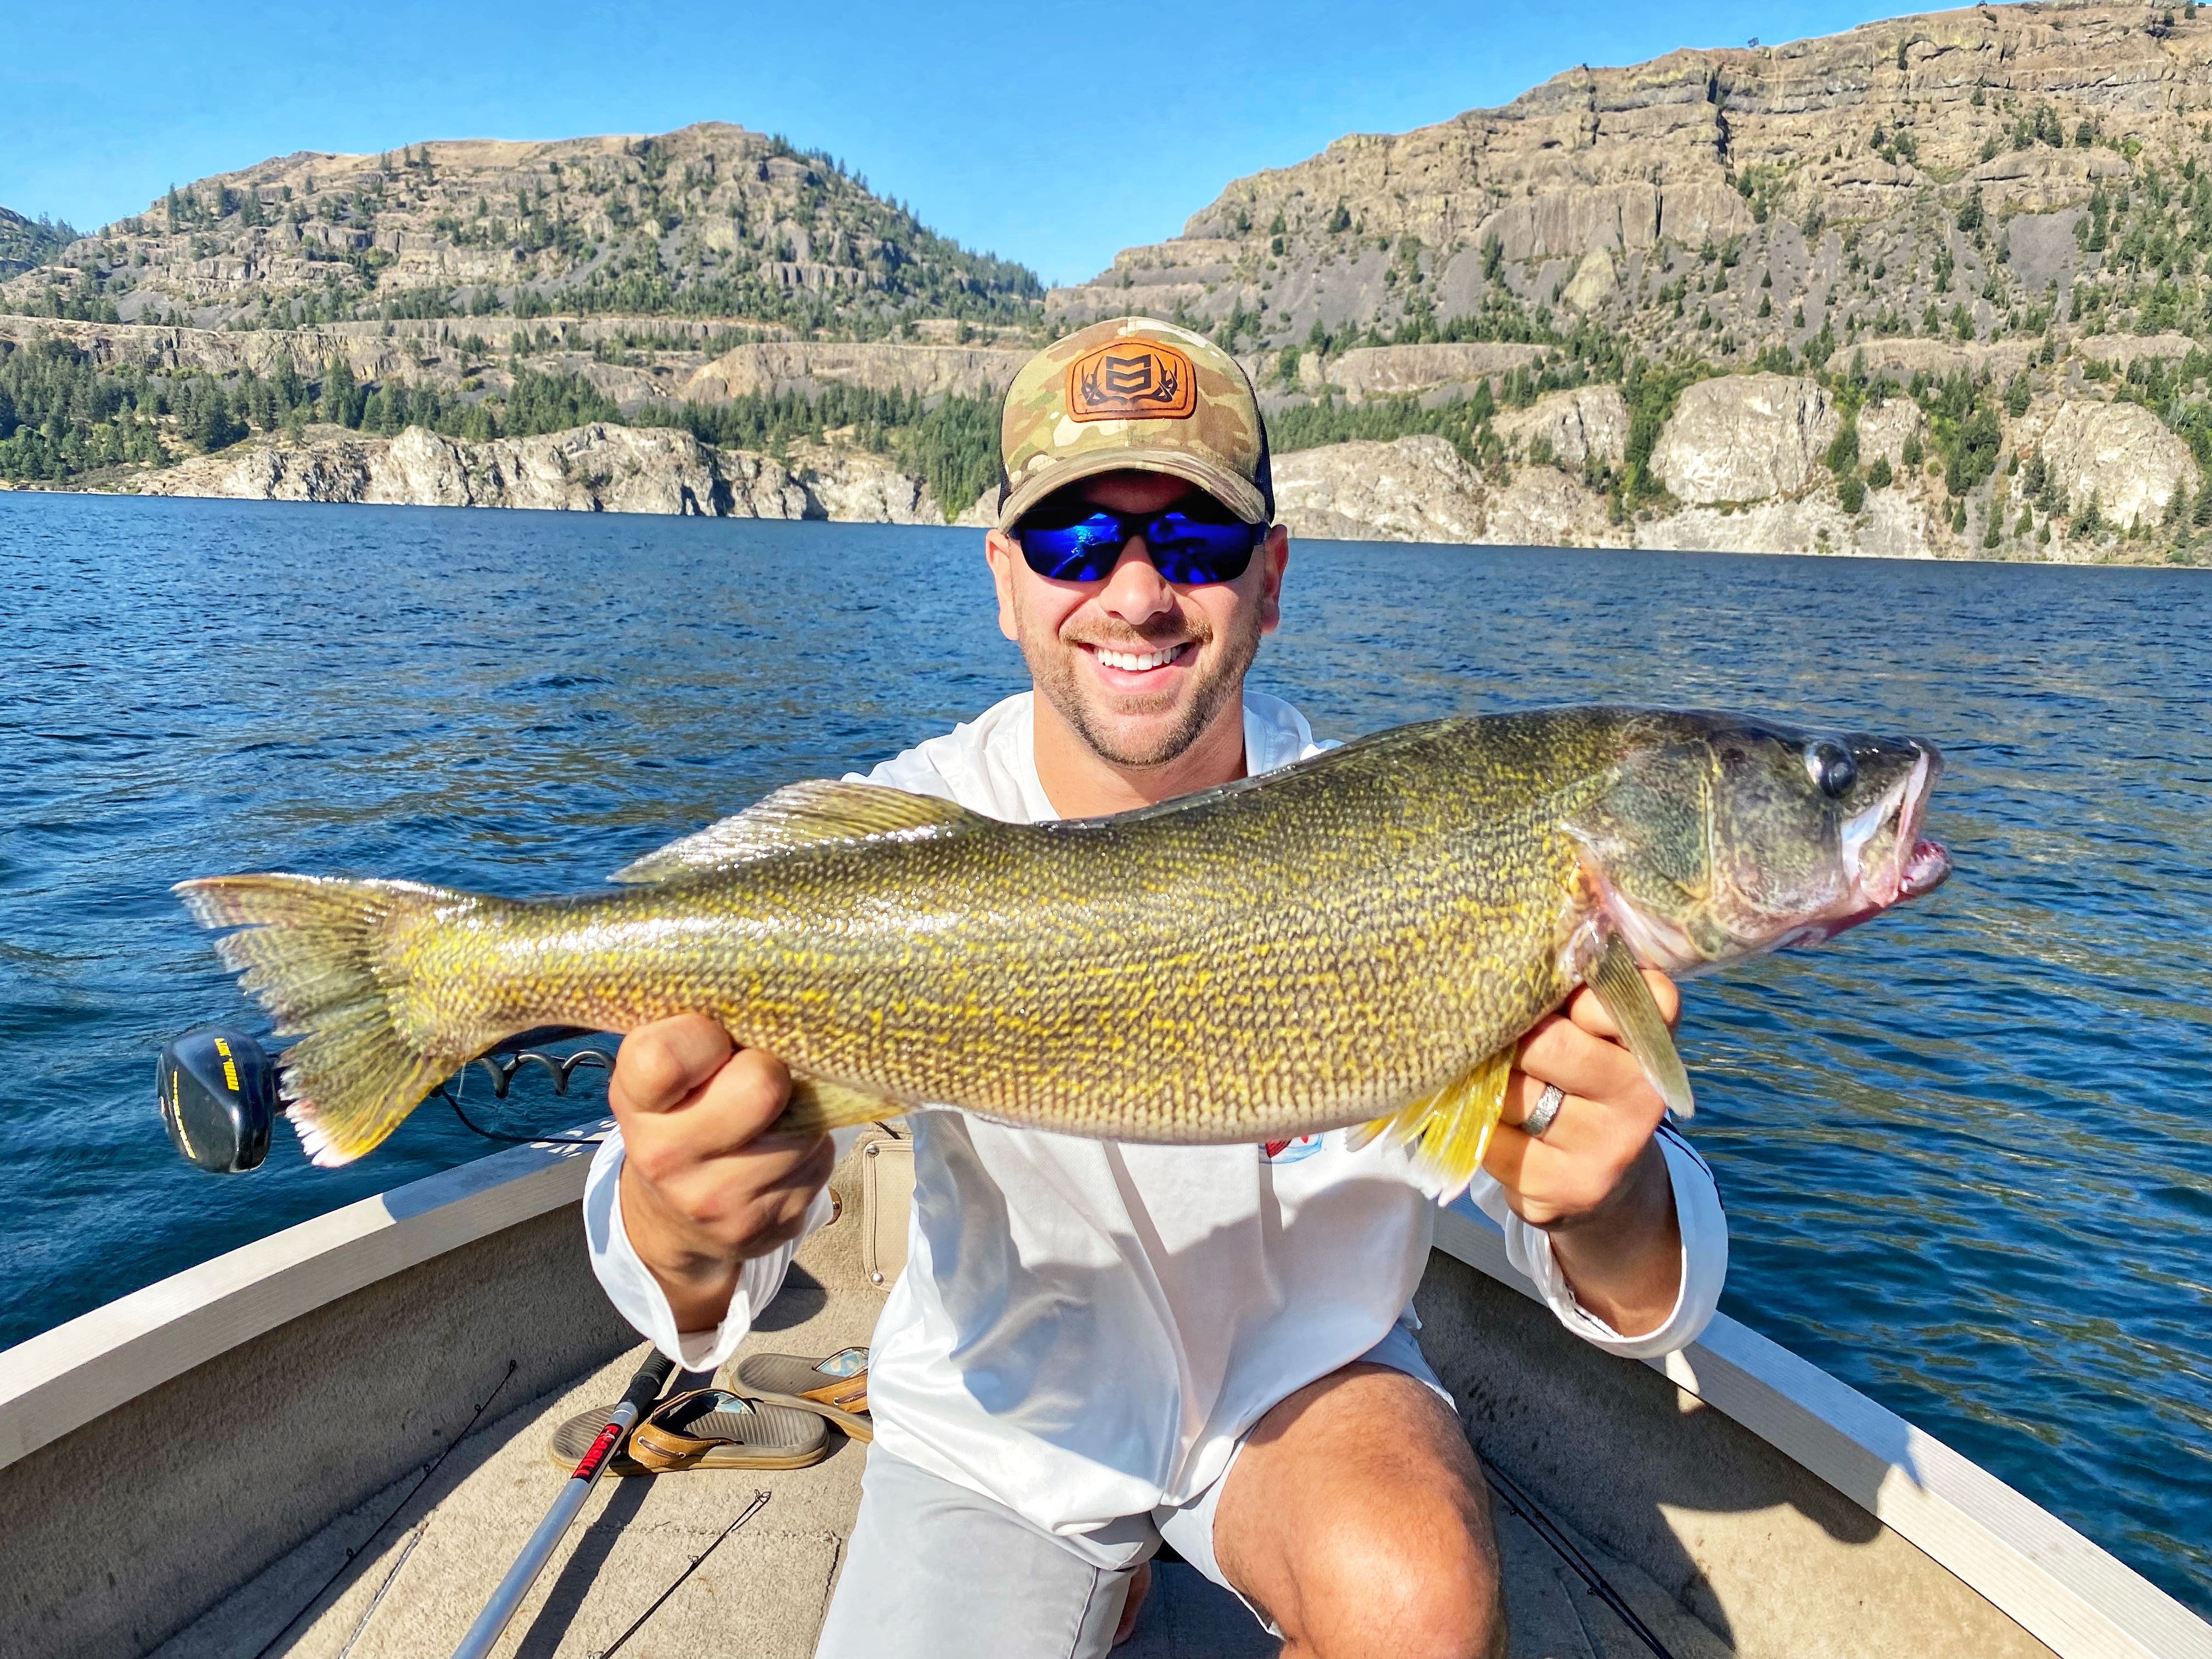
[{"x": 933, "y": 1569}]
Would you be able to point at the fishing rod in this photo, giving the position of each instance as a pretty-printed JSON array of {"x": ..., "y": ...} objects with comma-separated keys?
[{"x": 644, "y": 1388}]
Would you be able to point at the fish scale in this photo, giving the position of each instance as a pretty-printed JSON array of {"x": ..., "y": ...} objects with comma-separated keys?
[{"x": 1346, "y": 941}]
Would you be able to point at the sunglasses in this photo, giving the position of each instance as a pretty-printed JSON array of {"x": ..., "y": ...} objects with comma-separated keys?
[{"x": 1186, "y": 549}]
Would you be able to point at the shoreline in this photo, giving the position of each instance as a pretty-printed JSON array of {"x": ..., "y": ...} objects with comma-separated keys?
[{"x": 2106, "y": 561}]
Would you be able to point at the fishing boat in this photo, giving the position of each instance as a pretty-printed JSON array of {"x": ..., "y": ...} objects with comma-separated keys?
[{"x": 333, "y": 1442}]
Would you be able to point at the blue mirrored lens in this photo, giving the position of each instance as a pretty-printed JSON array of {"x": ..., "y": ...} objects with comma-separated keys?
[{"x": 1184, "y": 550}]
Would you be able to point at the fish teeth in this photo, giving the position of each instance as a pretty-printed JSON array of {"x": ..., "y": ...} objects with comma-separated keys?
[{"x": 1134, "y": 661}]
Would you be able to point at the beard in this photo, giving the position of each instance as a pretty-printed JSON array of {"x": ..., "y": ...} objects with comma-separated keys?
[{"x": 1053, "y": 663}]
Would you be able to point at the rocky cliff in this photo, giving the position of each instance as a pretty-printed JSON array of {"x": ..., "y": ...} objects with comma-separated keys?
[
  {"x": 592, "y": 469},
  {"x": 1852, "y": 181},
  {"x": 1746, "y": 458}
]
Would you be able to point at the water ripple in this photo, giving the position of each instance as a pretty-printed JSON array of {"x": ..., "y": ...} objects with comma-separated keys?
[{"x": 1966, "y": 1152}]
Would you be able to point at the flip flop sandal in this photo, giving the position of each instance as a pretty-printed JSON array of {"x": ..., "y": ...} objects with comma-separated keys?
[
  {"x": 836, "y": 1388},
  {"x": 575, "y": 1438},
  {"x": 725, "y": 1431},
  {"x": 714, "y": 1429}
]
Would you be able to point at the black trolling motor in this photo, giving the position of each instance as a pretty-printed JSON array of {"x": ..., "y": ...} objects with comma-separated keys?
[{"x": 218, "y": 1088}]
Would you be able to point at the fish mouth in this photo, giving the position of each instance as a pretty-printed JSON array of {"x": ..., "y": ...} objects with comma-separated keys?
[{"x": 1884, "y": 852}]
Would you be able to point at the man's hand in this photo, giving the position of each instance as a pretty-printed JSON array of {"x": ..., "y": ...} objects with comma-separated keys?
[
  {"x": 703, "y": 1190},
  {"x": 1596, "y": 1182}
]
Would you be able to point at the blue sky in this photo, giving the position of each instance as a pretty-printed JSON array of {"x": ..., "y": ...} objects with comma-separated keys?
[{"x": 1051, "y": 134}]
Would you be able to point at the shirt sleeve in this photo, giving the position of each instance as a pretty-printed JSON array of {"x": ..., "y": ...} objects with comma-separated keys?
[
  {"x": 637, "y": 1295},
  {"x": 1704, "y": 1226}
]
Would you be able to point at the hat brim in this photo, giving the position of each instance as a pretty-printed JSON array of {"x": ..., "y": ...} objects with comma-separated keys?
[{"x": 1239, "y": 495}]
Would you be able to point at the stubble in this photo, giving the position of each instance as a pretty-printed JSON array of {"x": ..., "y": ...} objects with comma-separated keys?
[{"x": 1055, "y": 664}]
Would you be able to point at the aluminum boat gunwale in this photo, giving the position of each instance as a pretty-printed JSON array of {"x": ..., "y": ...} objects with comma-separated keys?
[{"x": 481, "y": 1264}]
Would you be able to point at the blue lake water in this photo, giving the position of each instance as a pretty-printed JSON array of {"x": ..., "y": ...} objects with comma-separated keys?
[{"x": 1966, "y": 1151}]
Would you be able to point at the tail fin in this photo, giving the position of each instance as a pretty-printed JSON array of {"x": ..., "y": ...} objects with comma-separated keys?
[
  {"x": 1453, "y": 1126},
  {"x": 314, "y": 952}
]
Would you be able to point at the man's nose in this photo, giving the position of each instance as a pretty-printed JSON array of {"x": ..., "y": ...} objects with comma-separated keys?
[{"x": 1135, "y": 591}]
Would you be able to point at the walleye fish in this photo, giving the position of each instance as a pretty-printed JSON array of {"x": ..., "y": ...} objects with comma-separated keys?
[{"x": 1360, "y": 938}]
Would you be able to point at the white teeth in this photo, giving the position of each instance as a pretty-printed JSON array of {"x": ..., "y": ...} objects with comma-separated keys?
[{"x": 1131, "y": 660}]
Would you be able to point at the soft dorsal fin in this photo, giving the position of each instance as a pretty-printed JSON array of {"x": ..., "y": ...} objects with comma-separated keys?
[{"x": 810, "y": 814}]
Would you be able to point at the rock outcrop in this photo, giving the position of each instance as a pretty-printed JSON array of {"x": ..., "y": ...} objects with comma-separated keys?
[
  {"x": 2121, "y": 454},
  {"x": 807, "y": 366},
  {"x": 1884, "y": 427},
  {"x": 1413, "y": 489},
  {"x": 1894, "y": 524},
  {"x": 1543, "y": 507},
  {"x": 589, "y": 469},
  {"x": 1413, "y": 370},
  {"x": 1419, "y": 489},
  {"x": 860, "y": 487},
  {"x": 1571, "y": 427},
  {"x": 1744, "y": 437},
  {"x": 1745, "y": 457}
]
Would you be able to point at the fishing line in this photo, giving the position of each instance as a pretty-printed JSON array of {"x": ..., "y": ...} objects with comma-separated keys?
[
  {"x": 1521, "y": 1504},
  {"x": 392, "y": 1577},
  {"x": 759, "y": 1503},
  {"x": 435, "y": 1462}
]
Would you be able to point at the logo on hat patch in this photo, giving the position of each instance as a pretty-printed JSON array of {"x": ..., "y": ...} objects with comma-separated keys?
[{"x": 1131, "y": 380}]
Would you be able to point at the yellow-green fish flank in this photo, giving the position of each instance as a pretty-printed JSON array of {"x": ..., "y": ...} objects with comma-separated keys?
[{"x": 1342, "y": 942}]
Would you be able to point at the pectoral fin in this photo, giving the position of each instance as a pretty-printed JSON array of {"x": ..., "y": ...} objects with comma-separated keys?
[
  {"x": 1620, "y": 985},
  {"x": 1453, "y": 1126}
]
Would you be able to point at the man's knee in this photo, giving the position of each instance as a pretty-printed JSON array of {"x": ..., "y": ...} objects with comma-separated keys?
[{"x": 1425, "y": 1585}]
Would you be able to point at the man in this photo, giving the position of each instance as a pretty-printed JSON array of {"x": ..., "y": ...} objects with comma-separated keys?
[{"x": 1094, "y": 1347}]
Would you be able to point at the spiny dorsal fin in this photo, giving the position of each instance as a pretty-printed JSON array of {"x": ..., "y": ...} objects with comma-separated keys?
[{"x": 810, "y": 814}]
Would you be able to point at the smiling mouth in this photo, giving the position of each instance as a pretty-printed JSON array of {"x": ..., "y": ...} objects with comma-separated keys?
[{"x": 1137, "y": 662}]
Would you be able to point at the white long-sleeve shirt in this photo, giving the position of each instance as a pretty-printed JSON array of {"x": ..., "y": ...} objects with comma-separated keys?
[{"x": 1084, "y": 1329}]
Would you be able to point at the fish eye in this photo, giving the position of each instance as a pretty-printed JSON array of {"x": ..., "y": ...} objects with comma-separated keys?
[{"x": 1832, "y": 766}]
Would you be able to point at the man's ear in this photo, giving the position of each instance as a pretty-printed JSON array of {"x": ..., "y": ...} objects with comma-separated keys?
[
  {"x": 1274, "y": 556},
  {"x": 1001, "y": 553}
]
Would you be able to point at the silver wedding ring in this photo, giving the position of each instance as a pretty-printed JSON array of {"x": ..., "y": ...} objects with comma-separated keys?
[{"x": 1544, "y": 1112}]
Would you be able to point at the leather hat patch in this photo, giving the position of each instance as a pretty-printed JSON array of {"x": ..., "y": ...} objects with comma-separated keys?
[{"x": 1132, "y": 380}]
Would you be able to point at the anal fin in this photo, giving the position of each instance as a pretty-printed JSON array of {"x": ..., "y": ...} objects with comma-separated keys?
[
  {"x": 1620, "y": 986},
  {"x": 1453, "y": 1125}
]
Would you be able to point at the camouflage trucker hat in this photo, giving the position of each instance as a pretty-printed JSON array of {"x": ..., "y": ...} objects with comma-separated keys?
[{"x": 1133, "y": 394}]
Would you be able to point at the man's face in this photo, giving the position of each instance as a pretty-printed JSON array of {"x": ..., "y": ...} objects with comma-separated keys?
[{"x": 1136, "y": 665}]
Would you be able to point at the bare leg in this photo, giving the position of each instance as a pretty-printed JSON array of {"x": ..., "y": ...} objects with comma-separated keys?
[{"x": 1358, "y": 1517}]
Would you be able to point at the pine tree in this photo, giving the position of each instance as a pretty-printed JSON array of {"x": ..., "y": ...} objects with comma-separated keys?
[{"x": 339, "y": 407}]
